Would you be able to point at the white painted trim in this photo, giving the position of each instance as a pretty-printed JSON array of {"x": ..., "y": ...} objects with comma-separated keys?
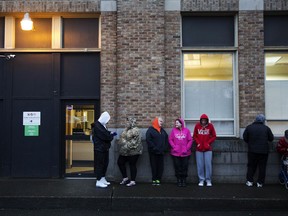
[
  {"x": 56, "y": 32},
  {"x": 108, "y": 5},
  {"x": 172, "y": 5},
  {"x": 9, "y": 38}
]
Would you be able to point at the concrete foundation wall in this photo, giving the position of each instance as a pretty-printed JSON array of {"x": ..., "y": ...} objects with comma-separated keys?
[{"x": 229, "y": 163}]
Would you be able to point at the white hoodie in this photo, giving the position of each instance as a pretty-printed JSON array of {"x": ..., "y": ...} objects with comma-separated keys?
[{"x": 104, "y": 118}]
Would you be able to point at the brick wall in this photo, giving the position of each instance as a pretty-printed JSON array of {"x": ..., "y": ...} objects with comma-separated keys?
[
  {"x": 108, "y": 65},
  {"x": 251, "y": 66},
  {"x": 275, "y": 5},
  {"x": 209, "y": 5},
  {"x": 50, "y": 6},
  {"x": 140, "y": 60},
  {"x": 172, "y": 67}
]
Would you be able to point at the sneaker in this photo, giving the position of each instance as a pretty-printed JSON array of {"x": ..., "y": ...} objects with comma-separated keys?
[
  {"x": 100, "y": 184},
  {"x": 208, "y": 183},
  {"x": 103, "y": 179},
  {"x": 154, "y": 183},
  {"x": 124, "y": 181},
  {"x": 131, "y": 183},
  {"x": 158, "y": 182},
  {"x": 259, "y": 185},
  {"x": 249, "y": 184},
  {"x": 201, "y": 183}
]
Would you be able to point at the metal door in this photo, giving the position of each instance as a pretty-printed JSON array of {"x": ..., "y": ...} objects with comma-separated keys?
[{"x": 33, "y": 115}]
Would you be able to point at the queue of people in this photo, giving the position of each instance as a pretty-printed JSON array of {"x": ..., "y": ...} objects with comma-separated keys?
[{"x": 179, "y": 143}]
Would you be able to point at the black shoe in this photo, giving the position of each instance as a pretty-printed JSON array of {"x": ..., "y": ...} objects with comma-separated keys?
[
  {"x": 179, "y": 183},
  {"x": 184, "y": 182}
]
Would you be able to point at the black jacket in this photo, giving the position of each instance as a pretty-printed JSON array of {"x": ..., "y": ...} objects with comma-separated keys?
[
  {"x": 157, "y": 142},
  {"x": 101, "y": 138},
  {"x": 258, "y": 136}
]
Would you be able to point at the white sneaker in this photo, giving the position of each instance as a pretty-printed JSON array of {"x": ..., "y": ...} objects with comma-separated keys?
[
  {"x": 100, "y": 184},
  {"x": 259, "y": 185},
  {"x": 131, "y": 183},
  {"x": 103, "y": 179},
  {"x": 208, "y": 183},
  {"x": 201, "y": 183},
  {"x": 249, "y": 184}
]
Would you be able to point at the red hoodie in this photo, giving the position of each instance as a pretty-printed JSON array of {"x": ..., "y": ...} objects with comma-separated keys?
[{"x": 204, "y": 135}]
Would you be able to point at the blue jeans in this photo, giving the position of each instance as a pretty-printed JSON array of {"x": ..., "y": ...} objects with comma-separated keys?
[{"x": 204, "y": 165}]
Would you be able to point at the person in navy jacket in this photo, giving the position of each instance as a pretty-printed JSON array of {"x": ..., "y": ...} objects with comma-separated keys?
[
  {"x": 257, "y": 135},
  {"x": 157, "y": 142}
]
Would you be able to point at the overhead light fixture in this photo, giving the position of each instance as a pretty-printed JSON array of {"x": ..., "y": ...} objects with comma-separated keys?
[{"x": 26, "y": 23}]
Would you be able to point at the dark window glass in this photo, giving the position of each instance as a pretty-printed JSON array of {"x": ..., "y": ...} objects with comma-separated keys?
[
  {"x": 39, "y": 37},
  {"x": 208, "y": 30},
  {"x": 276, "y": 30},
  {"x": 80, "y": 33}
]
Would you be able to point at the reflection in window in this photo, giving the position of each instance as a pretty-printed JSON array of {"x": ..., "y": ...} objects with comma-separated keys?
[
  {"x": 79, "y": 151},
  {"x": 79, "y": 119},
  {"x": 208, "y": 88},
  {"x": 276, "y": 86}
]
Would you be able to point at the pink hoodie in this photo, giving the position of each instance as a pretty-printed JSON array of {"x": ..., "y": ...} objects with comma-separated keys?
[{"x": 180, "y": 141}]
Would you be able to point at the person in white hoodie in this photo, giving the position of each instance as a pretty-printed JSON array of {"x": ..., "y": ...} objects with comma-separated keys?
[{"x": 102, "y": 138}]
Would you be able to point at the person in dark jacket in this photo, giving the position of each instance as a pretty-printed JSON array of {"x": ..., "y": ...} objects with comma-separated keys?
[
  {"x": 102, "y": 138},
  {"x": 257, "y": 135},
  {"x": 157, "y": 141}
]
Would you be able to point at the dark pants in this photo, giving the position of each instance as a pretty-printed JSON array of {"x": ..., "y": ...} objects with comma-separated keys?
[
  {"x": 181, "y": 166},
  {"x": 132, "y": 160},
  {"x": 256, "y": 160},
  {"x": 157, "y": 165},
  {"x": 101, "y": 160}
]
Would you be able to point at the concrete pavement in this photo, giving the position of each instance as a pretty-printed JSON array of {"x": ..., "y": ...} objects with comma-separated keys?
[{"x": 82, "y": 194}]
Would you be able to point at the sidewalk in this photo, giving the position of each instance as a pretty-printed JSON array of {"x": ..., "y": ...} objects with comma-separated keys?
[{"x": 82, "y": 194}]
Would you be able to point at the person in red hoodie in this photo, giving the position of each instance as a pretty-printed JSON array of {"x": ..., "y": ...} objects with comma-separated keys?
[
  {"x": 204, "y": 135},
  {"x": 180, "y": 141}
]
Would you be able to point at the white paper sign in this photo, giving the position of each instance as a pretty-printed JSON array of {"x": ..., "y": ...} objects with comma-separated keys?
[{"x": 32, "y": 118}]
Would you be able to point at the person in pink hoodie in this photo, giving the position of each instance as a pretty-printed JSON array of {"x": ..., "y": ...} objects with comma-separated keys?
[
  {"x": 180, "y": 141},
  {"x": 204, "y": 135}
]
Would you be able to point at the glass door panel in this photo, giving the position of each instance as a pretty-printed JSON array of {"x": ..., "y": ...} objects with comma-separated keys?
[{"x": 79, "y": 156}]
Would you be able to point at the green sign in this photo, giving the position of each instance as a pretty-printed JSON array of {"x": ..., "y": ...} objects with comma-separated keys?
[{"x": 31, "y": 130}]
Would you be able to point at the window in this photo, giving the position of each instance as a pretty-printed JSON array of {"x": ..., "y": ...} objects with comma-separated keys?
[
  {"x": 208, "y": 88},
  {"x": 276, "y": 87},
  {"x": 40, "y": 37},
  {"x": 208, "y": 31},
  {"x": 84, "y": 31},
  {"x": 276, "y": 69},
  {"x": 209, "y": 75}
]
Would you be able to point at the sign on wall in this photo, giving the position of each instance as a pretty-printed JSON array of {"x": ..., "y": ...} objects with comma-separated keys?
[
  {"x": 31, "y": 122},
  {"x": 31, "y": 118}
]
